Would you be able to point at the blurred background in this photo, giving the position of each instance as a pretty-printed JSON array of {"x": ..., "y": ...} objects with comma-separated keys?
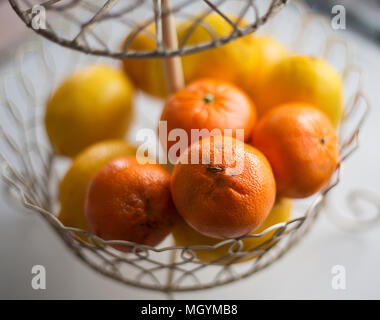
[
  {"x": 305, "y": 272},
  {"x": 362, "y": 16}
]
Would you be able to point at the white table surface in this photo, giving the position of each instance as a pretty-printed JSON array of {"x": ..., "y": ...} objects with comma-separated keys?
[{"x": 303, "y": 273}]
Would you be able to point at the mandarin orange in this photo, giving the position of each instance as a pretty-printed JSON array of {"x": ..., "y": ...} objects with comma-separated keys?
[
  {"x": 229, "y": 193},
  {"x": 209, "y": 104},
  {"x": 130, "y": 201},
  {"x": 302, "y": 147}
]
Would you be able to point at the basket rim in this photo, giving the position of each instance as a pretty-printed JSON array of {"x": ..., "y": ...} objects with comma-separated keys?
[{"x": 238, "y": 32}]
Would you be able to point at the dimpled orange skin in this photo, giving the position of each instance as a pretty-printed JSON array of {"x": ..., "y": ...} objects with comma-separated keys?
[
  {"x": 209, "y": 104},
  {"x": 130, "y": 201},
  {"x": 215, "y": 199},
  {"x": 302, "y": 147}
]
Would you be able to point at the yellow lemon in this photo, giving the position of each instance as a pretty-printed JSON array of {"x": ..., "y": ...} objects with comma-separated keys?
[
  {"x": 146, "y": 74},
  {"x": 91, "y": 105},
  {"x": 228, "y": 62},
  {"x": 270, "y": 52},
  {"x": 73, "y": 187},
  {"x": 303, "y": 79},
  {"x": 186, "y": 236}
]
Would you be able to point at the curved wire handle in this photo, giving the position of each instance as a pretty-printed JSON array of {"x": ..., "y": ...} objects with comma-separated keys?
[{"x": 359, "y": 219}]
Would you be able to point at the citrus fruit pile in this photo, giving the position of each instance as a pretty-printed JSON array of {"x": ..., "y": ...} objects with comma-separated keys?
[{"x": 267, "y": 124}]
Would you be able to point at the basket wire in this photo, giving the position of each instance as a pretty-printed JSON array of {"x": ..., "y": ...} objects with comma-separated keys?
[
  {"x": 90, "y": 22},
  {"x": 29, "y": 168}
]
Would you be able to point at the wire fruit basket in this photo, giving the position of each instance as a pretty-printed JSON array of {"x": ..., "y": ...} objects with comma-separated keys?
[{"x": 31, "y": 169}]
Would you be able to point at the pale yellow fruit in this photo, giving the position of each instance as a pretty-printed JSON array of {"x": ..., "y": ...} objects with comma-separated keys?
[
  {"x": 227, "y": 62},
  {"x": 186, "y": 236},
  {"x": 270, "y": 52},
  {"x": 303, "y": 79},
  {"x": 146, "y": 74},
  {"x": 73, "y": 188},
  {"x": 90, "y": 105}
]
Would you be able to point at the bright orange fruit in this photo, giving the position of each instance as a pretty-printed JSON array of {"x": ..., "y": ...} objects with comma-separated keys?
[
  {"x": 209, "y": 104},
  {"x": 230, "y": 194},
  {"x": 130, "y": 201},
  {"x": 302, "y": 147}
]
